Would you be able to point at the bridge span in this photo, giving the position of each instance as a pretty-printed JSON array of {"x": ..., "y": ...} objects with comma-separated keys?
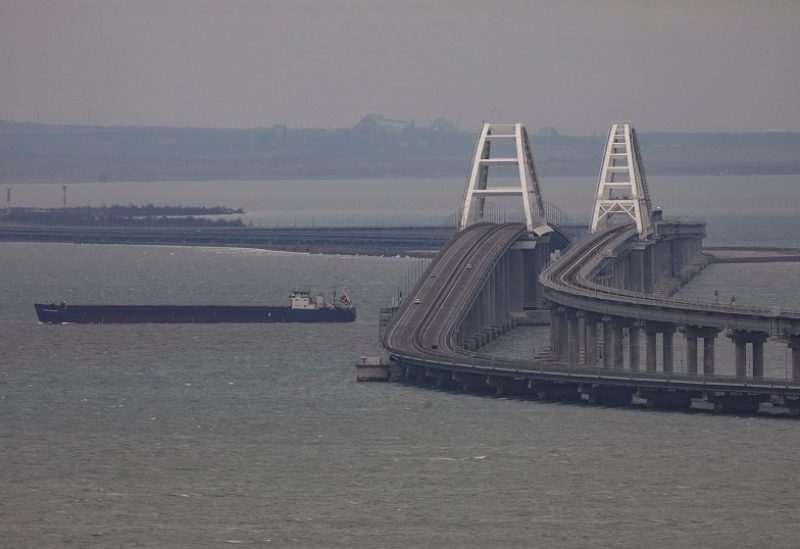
[
  {"x": 470, "y": 294},
  {"x": 598, "y": 298}
]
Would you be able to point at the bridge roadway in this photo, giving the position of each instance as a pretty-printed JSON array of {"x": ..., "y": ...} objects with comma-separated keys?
[
  {"x": 568, "y": 282},
  {"x": 424, "y": 325},
  {"x": 421, "y": 335}
]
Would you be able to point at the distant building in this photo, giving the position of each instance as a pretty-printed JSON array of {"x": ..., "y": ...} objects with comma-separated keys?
[
  {"x": 377, "y": 123},
  {"x": 443, "y": 125}
]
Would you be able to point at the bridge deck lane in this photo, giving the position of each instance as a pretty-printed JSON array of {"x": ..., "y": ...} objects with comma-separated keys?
[
  {"x": 402, "y": 332},
  {"x": 422, "y": 334},
  {"x": 567, "y": 284}
]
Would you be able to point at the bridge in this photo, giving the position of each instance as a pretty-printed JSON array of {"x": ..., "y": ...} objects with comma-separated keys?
[{"x": 599, "y": 295}]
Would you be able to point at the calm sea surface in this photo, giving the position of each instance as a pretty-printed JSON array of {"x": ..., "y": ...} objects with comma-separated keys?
[{"x": 258, "y": 435}]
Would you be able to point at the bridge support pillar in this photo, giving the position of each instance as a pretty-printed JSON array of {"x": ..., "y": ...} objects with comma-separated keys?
[
  {"x": 741, "y": 358},
  {"x": 650, "y": 350},
  {"x": 794, "y": 345},
  {"x": 634, "y": 343},
  {"x": 666, "y": 330},
  {"x": 667, "y": 350},
  {"x": 608, "y": 342},
  {"x": 758, "y": 359},
  {"x": 740, "y": 339},
  {"x": 573, "y": 340},
  {"x": 558, "y": 329},
  {"x": 618, "y": 335},
  {"x": 693, "y": 333},
  {"x": 708, "y": 354},
  {"x": 590, "y": 340},
  {"x": 691, "y": 355}
]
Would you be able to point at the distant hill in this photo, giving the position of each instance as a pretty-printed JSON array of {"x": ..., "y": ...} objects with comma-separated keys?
[{"x": 377, "y": 147}]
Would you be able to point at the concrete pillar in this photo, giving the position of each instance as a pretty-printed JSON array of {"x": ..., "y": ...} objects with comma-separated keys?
[
  {"x": 633, "y": 346},
  {"x": 666, "y": 349},
  {"x": 573, "y": 341},
  {"x": 590, "y": 350},
  {"x": 758, "y": 360},
  {"x": 650, "y": 350},
  {"x": 794, "y": 344},
  {"x": 559, "y": 334},
  {"x": 608, "y": 342},
  {"x": 741, "y": 358},
  {"x": 708, "y": 355},
  {"x": 693, "y": 333},
  {"x": 741, "y": 338},
  {"x": 691, "y": 356},
  {"x": 619, "y": 340}
]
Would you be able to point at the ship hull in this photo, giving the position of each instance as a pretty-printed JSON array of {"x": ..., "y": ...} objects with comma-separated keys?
[{"x": 186, "y": 314}]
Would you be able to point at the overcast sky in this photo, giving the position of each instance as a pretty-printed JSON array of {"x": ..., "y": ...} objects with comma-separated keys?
[{"x": 702, "y": 65}]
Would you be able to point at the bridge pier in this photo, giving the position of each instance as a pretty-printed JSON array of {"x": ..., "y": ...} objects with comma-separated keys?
[
  {"x": 558, "y": 333},
  {"x": 692, "y": 334},
  {"x": 794, "y": 345},
  {"x": 652, "y": 329},
  {"x": 667, "y": 350},
  {"x": 708, "y": 352},
  {"x": 691, "y": 355},
  {"x": 608, "y": 342},
  {"x": 634, "y": 337},
  {"x": 573, "y": 339},
  {"x": 590, "y": 339},
  {"x": 618, "y": 337},
  {"x": 757, "y": 339},
  {"x": 650, "y": 349}
]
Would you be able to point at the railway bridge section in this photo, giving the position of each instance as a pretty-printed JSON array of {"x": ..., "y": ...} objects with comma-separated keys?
[{"x": 601, "y": 296}]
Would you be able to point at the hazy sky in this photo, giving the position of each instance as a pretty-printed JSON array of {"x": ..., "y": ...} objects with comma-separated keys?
[{"x": 702, "y": 65}]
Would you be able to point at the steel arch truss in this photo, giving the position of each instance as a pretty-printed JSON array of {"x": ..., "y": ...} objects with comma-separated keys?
[
  {"x": 477, "y": 185},
  {"x": 622, "y": 185}
]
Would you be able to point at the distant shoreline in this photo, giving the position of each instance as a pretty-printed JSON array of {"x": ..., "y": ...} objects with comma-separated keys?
[{"x": 39, "y": 153}]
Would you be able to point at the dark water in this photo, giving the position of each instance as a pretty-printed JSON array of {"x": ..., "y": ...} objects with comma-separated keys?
[{"x": 225, "y": 435}]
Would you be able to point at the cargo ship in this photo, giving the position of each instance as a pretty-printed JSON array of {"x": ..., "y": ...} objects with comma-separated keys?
[{"x": 302, "y": 308}]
